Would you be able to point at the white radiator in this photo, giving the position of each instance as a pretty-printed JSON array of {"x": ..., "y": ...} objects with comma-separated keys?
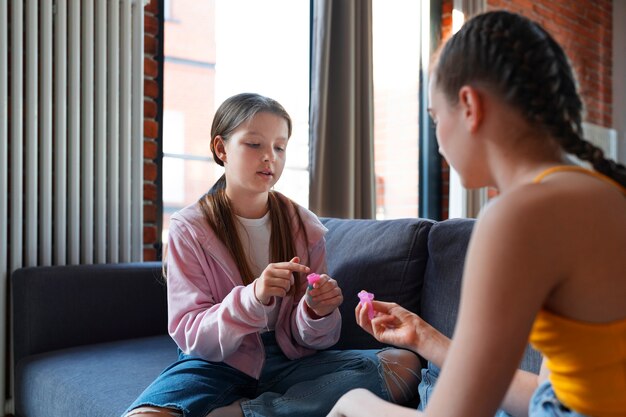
[
  {"x": 603, "y": 137},
  {"x": 71, "y": 153}
]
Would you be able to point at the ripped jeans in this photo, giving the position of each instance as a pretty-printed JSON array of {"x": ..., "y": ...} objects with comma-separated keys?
[{"x": 306, "y": 387}]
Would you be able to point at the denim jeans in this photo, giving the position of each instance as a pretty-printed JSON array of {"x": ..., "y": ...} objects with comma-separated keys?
[
  {"x": 545, "y": 404},
  {"x": 306, "y": 387},
  {"x": 427, "y": 385}
]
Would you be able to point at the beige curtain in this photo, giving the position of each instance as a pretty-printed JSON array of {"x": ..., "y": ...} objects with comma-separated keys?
[{"x": 341, "y": 119}]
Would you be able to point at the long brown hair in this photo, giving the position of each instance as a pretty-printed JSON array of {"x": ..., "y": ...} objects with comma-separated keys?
[
  {"x": 519, "y": 60},
  {"x": 216, "y": 206}
]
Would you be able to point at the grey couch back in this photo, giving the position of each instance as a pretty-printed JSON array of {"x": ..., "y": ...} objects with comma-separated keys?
[
  {"x": 447, "y": 246},
  {"x": 64, "y": 306},
  {"x": 416, "y": 263},
  {"x": 387, "y": 258}
]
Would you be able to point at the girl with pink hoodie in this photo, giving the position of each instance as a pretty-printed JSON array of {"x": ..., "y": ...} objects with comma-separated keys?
[{"x": 251, "y": 336}]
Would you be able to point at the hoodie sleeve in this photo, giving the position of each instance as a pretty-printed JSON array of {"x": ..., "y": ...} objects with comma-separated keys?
[
  {"x": 309, "y": 332},
  {"x": 200, "y": 324}
]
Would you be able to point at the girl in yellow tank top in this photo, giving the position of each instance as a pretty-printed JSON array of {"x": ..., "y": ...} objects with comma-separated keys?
[
  {"x": 582, "y": 357},
  {"x": 547, "y": 257}
]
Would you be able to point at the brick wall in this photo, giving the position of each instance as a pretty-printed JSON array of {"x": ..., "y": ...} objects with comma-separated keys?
[{"x": 152, "y": 93}]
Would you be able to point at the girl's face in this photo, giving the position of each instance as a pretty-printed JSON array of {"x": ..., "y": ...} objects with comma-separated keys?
[{"x": 254, "y": 156}]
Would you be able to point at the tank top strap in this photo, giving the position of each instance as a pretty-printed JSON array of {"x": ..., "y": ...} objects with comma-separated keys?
[{"x": 576, "y": 168}]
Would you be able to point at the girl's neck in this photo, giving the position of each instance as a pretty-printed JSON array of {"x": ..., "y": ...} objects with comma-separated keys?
[
  {"x": 252, "y": 206},
  {"x": 509, "y": 174},
  {"x": 517, "y": 161}
]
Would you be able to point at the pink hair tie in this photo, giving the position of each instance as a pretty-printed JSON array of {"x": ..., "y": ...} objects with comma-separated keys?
[{"x": 366, "y": 299}]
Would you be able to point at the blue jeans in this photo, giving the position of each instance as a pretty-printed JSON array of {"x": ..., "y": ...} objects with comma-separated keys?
[
  {"x": 427, "y": 385},
  {"x": 306, "y": 387},
  {"x": 545, "y": 404}
]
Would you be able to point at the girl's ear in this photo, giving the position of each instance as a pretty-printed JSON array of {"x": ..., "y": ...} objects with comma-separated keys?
[
  {"x": 219, "y": 148},
  {"x": 472, "y": 106}
]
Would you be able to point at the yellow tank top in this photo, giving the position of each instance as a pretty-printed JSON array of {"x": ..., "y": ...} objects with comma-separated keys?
[{"x": 587, "y": 361}]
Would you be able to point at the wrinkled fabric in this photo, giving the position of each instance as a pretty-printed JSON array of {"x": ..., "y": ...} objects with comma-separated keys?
[{"x": 212, "y": 315}]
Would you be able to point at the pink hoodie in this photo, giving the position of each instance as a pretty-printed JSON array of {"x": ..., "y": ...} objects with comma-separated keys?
[{"x": 212, "y": 315}]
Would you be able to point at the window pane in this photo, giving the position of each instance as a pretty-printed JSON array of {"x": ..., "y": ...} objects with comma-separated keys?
[
  {"x": 396, "y": 40},
  {"x": 187, "y": 177},
  {"x": 217, "y": 48}
]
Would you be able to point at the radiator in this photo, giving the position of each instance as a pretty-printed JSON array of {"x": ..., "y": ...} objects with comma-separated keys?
[
  {"x": 603, "y": 137},
  {"x": 71, "y": 138}
]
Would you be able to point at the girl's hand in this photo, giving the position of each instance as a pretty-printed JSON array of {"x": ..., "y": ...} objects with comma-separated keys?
[
  {"x": 391, "y": 325},
  {"x": 325, "y": 296},
  {"x": 276, "y": 279}
]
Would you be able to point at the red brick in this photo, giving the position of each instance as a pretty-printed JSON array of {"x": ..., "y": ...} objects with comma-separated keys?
[
  {"x": 149, "y": 192},
  {"x": 150, "y": 67},
  {"x": 150, "y": 45},
  {"x": 151, "y": 24},
  {"x": 150, "y": 171},
  {"x": 150, "y": 149},
  {"x": 149, "y": 213},
  {"x": 149, "y": 234},
  {"x": 151, "y": 89},
  {"x": 149, "y": 254},
  {"x": 150, "y": 129},
  {"x": 149, "y": 109},
  {"x": 152, "y": 7}
]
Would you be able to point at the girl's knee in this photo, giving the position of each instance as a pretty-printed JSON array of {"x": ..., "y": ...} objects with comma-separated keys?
[{"x": 401, "y": 370}]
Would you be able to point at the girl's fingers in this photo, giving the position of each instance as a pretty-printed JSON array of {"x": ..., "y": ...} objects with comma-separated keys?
[
  {"x": 285, "y": 269},
  {"x": 383, "y": 306},
  {"x": 279, "y": 282},
  {"x": 323, "y": 286},
  {"x": 326, "y": 295}
]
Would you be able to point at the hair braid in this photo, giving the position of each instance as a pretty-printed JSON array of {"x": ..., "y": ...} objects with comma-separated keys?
[{"x": 518, "y": 59}]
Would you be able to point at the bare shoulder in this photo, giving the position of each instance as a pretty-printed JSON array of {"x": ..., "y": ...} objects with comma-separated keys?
[
  {"x": 521, "y": 216},
  {"x": 524, "y": 232},
  {"x": 567, "y": 207},
  {"x": 568, "y": 237}
]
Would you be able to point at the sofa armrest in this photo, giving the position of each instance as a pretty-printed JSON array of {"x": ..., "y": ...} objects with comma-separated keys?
[{"x": 64, "y": 306}]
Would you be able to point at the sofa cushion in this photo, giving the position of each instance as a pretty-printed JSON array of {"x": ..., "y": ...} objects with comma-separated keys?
[
  {"x": 387, "y": 258},
  {"x": 59, "y": 307},
  {"x": 447, "y": 246},
  {"x": 99, "y": 380}
]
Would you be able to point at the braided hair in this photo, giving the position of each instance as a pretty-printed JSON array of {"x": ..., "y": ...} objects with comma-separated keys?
[{"x": 517, "y": 59}]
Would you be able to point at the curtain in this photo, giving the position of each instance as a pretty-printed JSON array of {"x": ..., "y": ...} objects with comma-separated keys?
[{"x": 341, "y": 165}]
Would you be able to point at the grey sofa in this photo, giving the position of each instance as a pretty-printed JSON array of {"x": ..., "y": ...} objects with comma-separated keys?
[{"x": 88, "y": 339}]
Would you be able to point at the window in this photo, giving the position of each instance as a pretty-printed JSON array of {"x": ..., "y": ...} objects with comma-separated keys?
[
  {"x": 216, "y": 49},
  {"x": 396, "y": 54},
  {"x": 167, "y": 9}
]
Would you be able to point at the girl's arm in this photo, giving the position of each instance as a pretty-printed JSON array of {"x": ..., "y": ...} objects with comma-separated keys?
[
  {"x": 308, "y": 330},
  {"x": 198, "y": 321},
  {"x": 397, "y": 326},
  {"x": 510, "y": 270}
]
